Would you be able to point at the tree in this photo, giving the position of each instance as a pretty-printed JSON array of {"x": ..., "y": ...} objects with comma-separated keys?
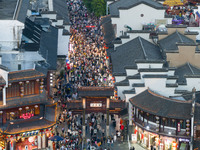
[
  {"x": 88, "y": 4},
  {"x": 96, "y": 6},
  {"x": 99, "y": 7}
]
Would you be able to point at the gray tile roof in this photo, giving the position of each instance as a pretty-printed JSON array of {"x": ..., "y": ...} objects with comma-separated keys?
[
  {"x": 25, "y": 5},
  {"x": 138, "y": 48},
  {"x": 42, "y": 21},
  {"x": 127, "y": 4},
  {"x": 186, "y": 69},
  {"x": 162, "y": 106},
  {"x": 24, "y": 75},
  {"x": 3, "y": 67},
  {"x": 108, "y": 30},
  {"x": 42, "y": 66},
  {"x": 7, "y": 8},
  {"x": 95, "y": 91},
  {"x": 188, "y": 96},
  {"x": 48, "y": 46},
  {"x": 132, "y": 91},
  {"x": 28, "y": 125},
  {"x": 170, "y": 42},
  {"x": 60, "y": 6}
]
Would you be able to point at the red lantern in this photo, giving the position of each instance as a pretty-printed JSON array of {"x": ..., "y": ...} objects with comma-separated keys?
[
  {"x": 135, "y": 131},
  {"x": 142, "y": 136},
  {"x": 122, "y": 127}
]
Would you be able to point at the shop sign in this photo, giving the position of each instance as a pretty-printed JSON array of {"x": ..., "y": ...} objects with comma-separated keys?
[
  {"x": 174, "y": 145},
  {"x": 32, "y": 133},
  {"x": 26, "y": 115},
  {"x": 179, "y": 127},
  {"x": 134, "y": 137},
  {"x": 184, "y": 140},
  {"x": 95, "y": 104},
  {"x": 195, "y": 130}
]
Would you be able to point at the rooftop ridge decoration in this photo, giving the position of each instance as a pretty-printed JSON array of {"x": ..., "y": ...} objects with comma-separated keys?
[
  {"x": 20, "y": 71},
  {"x": 141, "y": 44},
  {"x": 29, "y": 74},
  {"x": 179, "y": 36},
  {"x": 88, "y": 88},
  {"x": 190, "y": 68}
]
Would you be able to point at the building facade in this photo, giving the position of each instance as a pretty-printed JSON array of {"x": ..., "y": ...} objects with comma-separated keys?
[{"x": 27, "y": 113}]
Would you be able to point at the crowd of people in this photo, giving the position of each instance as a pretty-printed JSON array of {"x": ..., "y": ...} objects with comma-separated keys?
[{"x": 86, "y": 65}]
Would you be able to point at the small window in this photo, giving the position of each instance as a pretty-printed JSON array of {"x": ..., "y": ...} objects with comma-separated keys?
[{"x": 19, "y": 67}]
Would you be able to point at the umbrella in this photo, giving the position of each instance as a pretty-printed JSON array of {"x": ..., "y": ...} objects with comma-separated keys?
[{"x": 56, "y": 138}]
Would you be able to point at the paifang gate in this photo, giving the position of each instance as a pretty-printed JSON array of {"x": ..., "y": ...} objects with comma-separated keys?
[{"x": 96, "y": 99}]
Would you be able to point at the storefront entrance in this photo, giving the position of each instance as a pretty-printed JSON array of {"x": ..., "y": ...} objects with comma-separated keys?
[{"x": 29, "y": 143}]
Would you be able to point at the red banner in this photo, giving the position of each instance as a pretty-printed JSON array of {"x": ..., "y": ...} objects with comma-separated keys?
[{"x": 179, "y": 127}]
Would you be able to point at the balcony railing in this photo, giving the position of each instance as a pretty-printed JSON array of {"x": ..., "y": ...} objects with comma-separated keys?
[{"x": 168, "y": 131}]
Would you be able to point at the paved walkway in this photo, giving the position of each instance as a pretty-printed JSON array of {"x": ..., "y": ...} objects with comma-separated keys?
[{"x": 137, "y": 147}]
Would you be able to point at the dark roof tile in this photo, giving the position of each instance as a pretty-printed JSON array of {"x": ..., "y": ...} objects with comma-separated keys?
[
  {"x": 183, "y": 71},
  {"x": 95, "y": 91},
  {"x": 24, "y": 75},
  {"x": 127, "y": 4},
  {"x": 138, "y": 48},
  {"x": 162, "y": 106},
  {"x": 170, "y": 42}
]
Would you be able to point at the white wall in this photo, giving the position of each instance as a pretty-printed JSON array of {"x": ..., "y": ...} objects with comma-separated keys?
[
  {"x": 158, "y": 85},
  {"x": 143, "y": 35},
  {"x": 131, "y": 81},
  {"x": 63, "y": 43},
  {"x": 58, "y": 23},
  {"x": 149, "y": 65},
  {"x": 132, "y": 17},
  {"x": 50, "y": 16},
  {"x": 138, "y": 90},
  {"x": 153, "y": 73},
  {"x": 133, "y": 36},
  {"x": 67, "y": 27},
  {"x": 171, "y": 81},
  {"x": 131, "y": 72},
  {"x": 193, "y": 82},
  {"x": 11, "y": 33},
  {"x": 120, "y": 89},
  {"x": 120, "y": 78}
]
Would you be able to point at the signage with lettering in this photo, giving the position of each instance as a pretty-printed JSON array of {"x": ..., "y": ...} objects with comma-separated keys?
[
  {"x": 32, "y": 133},
  {"x": 179, "y": 127},
  {"x": 26, "y": 115},
  {"x": 134, "y": 137},
  {"x": 95, "y": 104},
  {"x": 174, "y": 145}
]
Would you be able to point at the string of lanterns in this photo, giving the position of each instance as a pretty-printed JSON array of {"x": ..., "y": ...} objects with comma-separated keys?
[{"x": 187, "y": 127}]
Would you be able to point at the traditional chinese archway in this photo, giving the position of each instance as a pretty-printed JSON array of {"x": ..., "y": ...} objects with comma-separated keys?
[{"x": 96, "y": 99}]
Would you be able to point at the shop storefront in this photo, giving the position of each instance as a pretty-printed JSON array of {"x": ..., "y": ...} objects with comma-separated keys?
[
  {"x": 149, "y": 139},
  {"x": 37, "y": 139}
]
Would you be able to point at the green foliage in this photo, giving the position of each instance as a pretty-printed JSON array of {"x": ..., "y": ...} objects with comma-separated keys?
[{"x": 96, "y": 6}]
